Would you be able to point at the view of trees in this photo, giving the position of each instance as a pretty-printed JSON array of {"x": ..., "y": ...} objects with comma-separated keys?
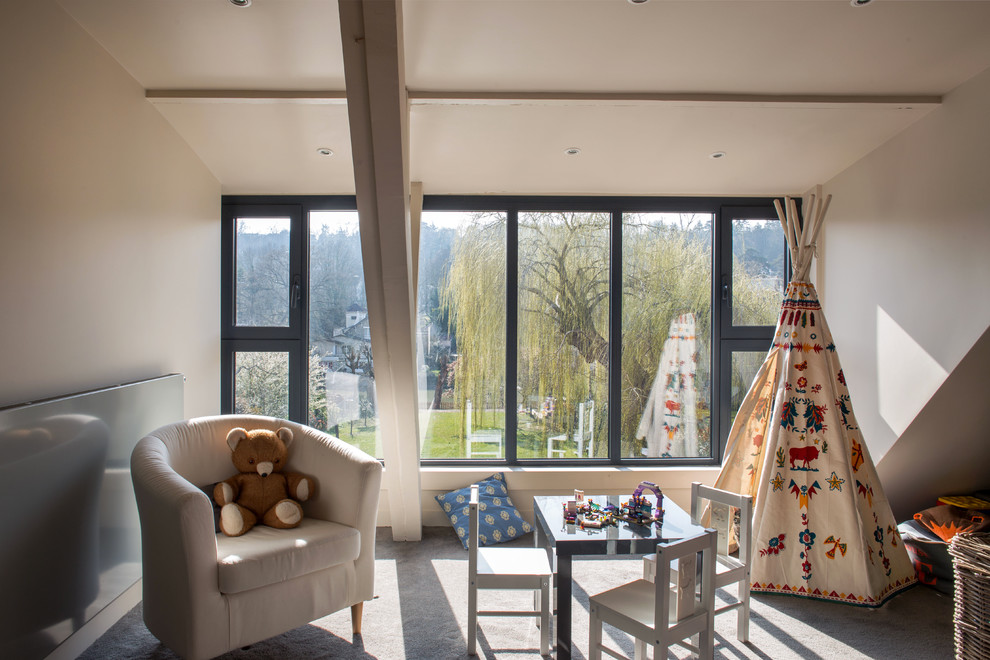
[
  {"x": 262, "y": 284},
  {"x": 338, "y": 316},
  {"x": 563, "y": 315},
  {"x": 563, "y": 350}
]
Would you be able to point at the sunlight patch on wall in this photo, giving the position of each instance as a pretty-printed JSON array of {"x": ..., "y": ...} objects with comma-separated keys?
[{"x": 907, "y": 376}]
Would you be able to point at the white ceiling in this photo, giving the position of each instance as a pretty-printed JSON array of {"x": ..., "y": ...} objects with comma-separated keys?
[{"x": 793, "y": 91}]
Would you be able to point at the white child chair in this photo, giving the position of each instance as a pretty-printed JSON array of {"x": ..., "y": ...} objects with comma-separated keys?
[
  {"x": 506, "y": 568},
  {"x": 729, "y": 568},
  {"x": 647, "y": 610},
  {"x": 583, "y": 437}
]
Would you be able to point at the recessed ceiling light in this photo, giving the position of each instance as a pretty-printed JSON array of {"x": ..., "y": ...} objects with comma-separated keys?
[
  {"x": 241, "y": 3},
  {"x": 572, "y": 151},
  {"x": 859, "y": 3},
  {"x": 323, "y": 151},
  {"x": 638, "y": 2},
  {"x": 715, "y": 155}
]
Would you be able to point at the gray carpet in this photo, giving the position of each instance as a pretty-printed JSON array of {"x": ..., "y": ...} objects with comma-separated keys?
[{"x": 421, "y": 613}]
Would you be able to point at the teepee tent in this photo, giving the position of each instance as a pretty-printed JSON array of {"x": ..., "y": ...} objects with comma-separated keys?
[
  {"x": 670, "y": 418},
  {"x": 822, "y": 526}
]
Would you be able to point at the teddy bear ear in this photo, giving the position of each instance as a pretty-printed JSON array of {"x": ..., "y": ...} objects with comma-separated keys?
[
  {"x": 234, "y": 438},
  {"x": 285, "y": 435}
]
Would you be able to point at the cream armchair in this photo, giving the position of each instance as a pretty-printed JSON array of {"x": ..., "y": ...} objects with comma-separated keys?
[{"x": 206, "y": 593}]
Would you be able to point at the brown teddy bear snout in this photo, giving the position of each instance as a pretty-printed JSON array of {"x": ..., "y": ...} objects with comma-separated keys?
[{"x": 265, "y": 468}]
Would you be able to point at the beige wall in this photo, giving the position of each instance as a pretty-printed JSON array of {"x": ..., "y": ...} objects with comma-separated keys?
[
  {"x": 108, "y": 224},
  {"x": 906, "y": 273}
]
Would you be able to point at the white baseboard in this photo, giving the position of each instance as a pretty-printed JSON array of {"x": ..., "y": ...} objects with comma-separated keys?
[{"x": 80, "y": 640}]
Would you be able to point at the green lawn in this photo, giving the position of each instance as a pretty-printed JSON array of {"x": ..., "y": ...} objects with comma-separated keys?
[
  {"x": 364, "y": 437},
  {"x": 443, "y": 438}
]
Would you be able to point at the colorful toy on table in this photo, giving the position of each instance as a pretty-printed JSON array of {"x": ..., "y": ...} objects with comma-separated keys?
[
  {"x": 570, "y": 512},
  {"x": 638, "y": 508},
  {"x": 590, "y": 515}
]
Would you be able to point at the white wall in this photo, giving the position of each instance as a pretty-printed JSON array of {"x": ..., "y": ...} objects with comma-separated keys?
[
  {"x": 908, "y": 245},
  {"x": 109, "y": 224}
]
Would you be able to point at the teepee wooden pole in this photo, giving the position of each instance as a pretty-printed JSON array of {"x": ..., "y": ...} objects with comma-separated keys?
[
  {"x": 809, "y": 216},
  {"x": 792, "y": 220},
  {"x": 820, "y": 220},
  {"x": 782, "y": 216}
]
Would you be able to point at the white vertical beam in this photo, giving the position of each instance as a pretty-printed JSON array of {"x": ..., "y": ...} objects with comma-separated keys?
[
  {"x": 378, "y": 112},
  {"x": 415, "y": 218}
]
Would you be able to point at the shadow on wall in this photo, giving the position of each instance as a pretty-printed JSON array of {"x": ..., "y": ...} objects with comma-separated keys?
[{"x": 946, "y": 448}]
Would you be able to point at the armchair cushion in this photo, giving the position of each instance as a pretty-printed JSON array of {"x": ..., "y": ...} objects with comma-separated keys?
[
  {"x": 266, "y": 555},
  {"x": 498, "y": 519}
]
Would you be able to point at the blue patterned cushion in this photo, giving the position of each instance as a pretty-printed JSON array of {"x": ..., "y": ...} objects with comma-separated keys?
[{"x": 498, "y": 520}]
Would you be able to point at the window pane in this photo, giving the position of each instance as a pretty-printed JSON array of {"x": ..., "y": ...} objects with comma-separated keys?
[
  {"x": 666, "y": 335},
  {"x": 262, "y": 284},
  {"x": 461, "y": 334},
  {"x": 341, "y": 369},
  {"x": 745, "y": 364},
  {"x": 757, "y": 271},
  {"x": 261, "y": 383},
  {"x": 563, "y": 335}
]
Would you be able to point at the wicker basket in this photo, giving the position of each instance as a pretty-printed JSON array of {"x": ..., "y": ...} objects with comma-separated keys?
[{"x": 971, "y": 562}]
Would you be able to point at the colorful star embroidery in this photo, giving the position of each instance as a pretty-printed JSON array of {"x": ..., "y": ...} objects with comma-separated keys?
[
  {"x": 777, "y": 482},
  {"x": 835, "y": 483}
]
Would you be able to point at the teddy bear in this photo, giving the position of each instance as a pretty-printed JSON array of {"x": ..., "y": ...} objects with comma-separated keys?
[{"x": 260, "y": 492}]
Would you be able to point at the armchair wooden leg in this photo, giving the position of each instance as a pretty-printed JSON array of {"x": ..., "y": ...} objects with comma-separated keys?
[{"x": 356, "y": 612}]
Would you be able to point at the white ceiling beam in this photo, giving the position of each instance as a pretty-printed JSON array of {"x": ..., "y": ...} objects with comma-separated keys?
[
  {"x": 608, "y": 98},
  {"x": 378, "y": 112},
  {"x": 549, "y": 98},
  {"x": 327, "y": 97}
]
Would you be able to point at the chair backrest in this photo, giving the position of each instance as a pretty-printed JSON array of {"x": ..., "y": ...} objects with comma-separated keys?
[
  {"x": 702, "y": 614},
  {"x": 586, "y": 420},
  {"x": 585, "y": 433},
  {"x": 473, "y": 525},
  {"x": 721, "y": 517}
]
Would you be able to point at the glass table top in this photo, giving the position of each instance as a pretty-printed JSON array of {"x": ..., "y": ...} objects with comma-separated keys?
[{"x": 624, "y": 538}]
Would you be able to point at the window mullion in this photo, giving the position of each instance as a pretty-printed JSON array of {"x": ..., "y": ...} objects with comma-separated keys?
[
  {"x": 615, "y": 341},
  {"x": 511, "y": 333}
]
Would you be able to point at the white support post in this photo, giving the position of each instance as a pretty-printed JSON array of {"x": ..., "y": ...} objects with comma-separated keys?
[{"x": 378, "y": 113}]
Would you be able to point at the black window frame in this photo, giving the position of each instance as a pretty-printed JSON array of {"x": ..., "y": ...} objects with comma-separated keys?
[
  {"x": 294, "y": 338},
  {"x": 725, "y": 339}
]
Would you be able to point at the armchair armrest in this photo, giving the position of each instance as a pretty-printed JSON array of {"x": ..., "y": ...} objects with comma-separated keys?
[
  {"x": 178, "y": 545},
  {"x": 348, "y": 485}
]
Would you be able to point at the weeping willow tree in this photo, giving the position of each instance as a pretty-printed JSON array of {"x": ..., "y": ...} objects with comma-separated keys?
[
  {"x": 563, "y": 320},
  {"x": 473, "y": 290},
  {"x": 563, "y": 317},
  {"x": 667, "y": 271}
]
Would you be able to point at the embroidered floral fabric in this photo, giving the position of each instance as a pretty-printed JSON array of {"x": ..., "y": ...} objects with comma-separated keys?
[
  {"x": 822, "y": 525},
  {"x": 498, "y": 519}
]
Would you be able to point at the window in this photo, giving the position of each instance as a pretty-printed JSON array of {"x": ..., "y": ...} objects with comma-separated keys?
[
  {"x": 341, "y": 369},
  {"x": 566, "y": 330},
  {"x": 755, "y": 268},
  {"x": 461, "y": 338},
  {"x": 666, "y": 335},
  {"x": 296, "y": 340}
]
